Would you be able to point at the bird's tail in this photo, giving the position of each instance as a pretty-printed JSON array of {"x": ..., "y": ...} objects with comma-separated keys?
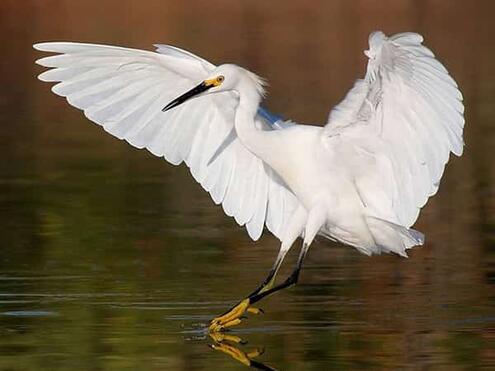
[{"x": 390, "y": 237}]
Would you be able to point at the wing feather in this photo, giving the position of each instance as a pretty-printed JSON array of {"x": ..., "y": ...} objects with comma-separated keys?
[
  {"x": 123, "y": 90},
  {"x": 407, "y": 114}
]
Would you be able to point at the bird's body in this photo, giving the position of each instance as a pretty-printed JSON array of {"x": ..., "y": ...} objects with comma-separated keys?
[
  {"x": 318, "y": 179},
  {"x": 361, "y": 179}
]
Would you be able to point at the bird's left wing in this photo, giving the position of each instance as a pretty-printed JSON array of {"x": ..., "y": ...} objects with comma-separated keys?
[
  {"x": 398, "y": 126},
  {"x": 124, "y": 90}
]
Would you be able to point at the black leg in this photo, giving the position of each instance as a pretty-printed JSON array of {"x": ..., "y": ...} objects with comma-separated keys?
[
  {"x": 291, "y": 280},
  {"x": 266, "y": 281},
  {"x": 233, "y": 316},
  {"x": 270, "y": 276}
]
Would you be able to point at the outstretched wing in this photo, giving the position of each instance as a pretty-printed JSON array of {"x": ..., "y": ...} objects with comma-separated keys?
[
  {"x": 401, "y": 122},
  {"x": 124, "y": 90}
]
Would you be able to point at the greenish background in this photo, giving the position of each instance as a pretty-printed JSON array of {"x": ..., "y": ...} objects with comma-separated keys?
[{"x": 112, "y": 259}]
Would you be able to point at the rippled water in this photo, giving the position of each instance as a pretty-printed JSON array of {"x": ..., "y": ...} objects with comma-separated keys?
[{"x": 112, "y": 259}]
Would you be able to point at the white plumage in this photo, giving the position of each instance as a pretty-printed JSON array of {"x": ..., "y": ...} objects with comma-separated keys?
[
  {"x": 408, "y": 114},
  {"x": 361, "y": 179},
  {"x": 123, "y": 90}
]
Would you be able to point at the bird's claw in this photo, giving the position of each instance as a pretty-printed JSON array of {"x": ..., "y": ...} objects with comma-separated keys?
[
  {"x": 220, "y": 337},
  {"x": 233, "y": 317},
  {"x": 254, "y": 310},
  {"x": 221, "y": 343}
]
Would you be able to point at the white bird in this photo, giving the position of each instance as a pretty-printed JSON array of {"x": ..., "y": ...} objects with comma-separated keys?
[{"x": 361, "y": 179}]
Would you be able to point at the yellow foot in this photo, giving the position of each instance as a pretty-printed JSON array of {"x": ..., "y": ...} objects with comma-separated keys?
[
  {"x": 236, "y": 353},
  {"x": 233, "y": 316},
  {"x": 220, "y": 337}
]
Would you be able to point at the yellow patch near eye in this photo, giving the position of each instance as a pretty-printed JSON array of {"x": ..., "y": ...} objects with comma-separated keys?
[{"x": 214, "y": 82}]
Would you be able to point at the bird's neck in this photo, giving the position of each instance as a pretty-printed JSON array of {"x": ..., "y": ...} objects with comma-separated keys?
[{"x": 254, "y": 139}]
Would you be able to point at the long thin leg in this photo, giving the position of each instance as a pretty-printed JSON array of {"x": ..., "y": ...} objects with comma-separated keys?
[
  {"x": 291, "y": 280},
  {"x": 232, "y": 316},
  {"x": 316, "y": 219},
  {"x": 270, "y": 279},
  {"x": 293, "y": 231}
]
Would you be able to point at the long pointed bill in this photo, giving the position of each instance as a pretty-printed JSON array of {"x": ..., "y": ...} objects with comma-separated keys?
[{"x": 204, "y": 86}]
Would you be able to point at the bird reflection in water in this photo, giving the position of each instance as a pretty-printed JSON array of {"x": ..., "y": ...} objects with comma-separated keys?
[{"x": 231, "y": 346}]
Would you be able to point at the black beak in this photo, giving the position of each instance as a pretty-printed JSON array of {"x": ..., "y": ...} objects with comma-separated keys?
[{"x": 191, "y": 93}]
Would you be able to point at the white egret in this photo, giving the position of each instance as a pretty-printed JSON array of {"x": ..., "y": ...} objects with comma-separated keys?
[{"x": 361, "y": 179}]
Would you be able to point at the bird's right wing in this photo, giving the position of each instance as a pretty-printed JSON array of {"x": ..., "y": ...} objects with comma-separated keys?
[{"x": 124, "y": 90}]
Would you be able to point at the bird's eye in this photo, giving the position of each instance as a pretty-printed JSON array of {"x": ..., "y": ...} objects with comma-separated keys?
[{"x": 220, "y": 79}]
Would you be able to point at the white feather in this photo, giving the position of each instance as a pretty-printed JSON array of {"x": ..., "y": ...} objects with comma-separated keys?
[
  {"x": 409, "y": 102},
  {"x": 123, "y": 90},
  {"x": 361, "y": 179}
]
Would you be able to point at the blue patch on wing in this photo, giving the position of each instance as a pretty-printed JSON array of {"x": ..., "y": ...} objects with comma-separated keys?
[{"x": 272, "y": 118}]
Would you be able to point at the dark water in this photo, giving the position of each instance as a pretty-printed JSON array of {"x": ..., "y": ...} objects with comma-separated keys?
[{"x": 112, "y": 259}]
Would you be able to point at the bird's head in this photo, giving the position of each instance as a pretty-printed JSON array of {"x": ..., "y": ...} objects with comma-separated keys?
[{"x": 223, "y": 78}]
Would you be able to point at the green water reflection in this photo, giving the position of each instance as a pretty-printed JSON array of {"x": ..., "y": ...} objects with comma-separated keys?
[{"x": 112, "y": 259}]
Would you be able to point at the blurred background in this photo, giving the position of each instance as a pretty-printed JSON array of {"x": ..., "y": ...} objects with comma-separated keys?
[{"x": 112, "y": 259}]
